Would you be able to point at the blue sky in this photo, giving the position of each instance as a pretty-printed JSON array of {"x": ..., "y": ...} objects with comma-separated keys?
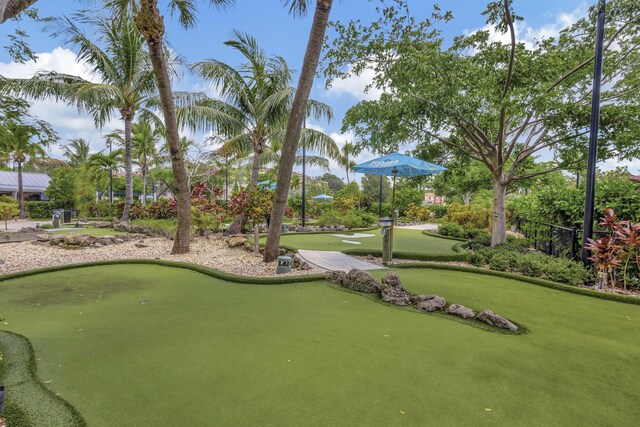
[{"x": 278, "y": 33}]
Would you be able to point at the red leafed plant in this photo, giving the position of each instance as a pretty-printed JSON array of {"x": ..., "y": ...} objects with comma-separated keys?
[{"x": 620, "y": 250}]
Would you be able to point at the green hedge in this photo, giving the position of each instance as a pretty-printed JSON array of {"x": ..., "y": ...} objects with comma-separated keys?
[
  {"x": 441, "y": 236},
  {"x": 29, "y": 402},
  {"x": 212, "y": 272},
  {"x": 38, "y": 209},
  {"x": 417, "y": 256},
  {"x": 532, "y": 280}
]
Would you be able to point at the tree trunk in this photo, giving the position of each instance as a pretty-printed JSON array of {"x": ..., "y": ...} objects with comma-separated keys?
[
  {"x": 21, "y": 214},
  {"x": 499, "y": 232},
  {"x": 10, "y": 8},
  {"x": 256, "y": 238},
  {"x": 128, "y": 172},
  {"x": 294, "y": 126},
  {"x": 144, "y": 186},
  {"x": 238, "y": 222},
  {"x": 151, "y": 25}
]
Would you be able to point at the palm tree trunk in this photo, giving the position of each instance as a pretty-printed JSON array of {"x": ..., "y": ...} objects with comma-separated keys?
[
  {"x": 151, "y": 25},
  {"x": 294, "y": 126},
  {"x": 11, "y": 8},
  {"x": 128, "y": 172},
  {"x": 238, "y": 222},
  {"x": 144, "y": 186},
  {"x": 21, "y": 214}
]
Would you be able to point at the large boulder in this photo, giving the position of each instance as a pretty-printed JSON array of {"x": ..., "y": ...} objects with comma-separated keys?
[
  {"x": 392, "y": 291},
  {"x": 496, "y": 320},
  {"x": 428, "y": 303},
  {"x": 461, "y": 311},
  {"x": 361, "y": 281},
  {"x": 336, "y": 277}
]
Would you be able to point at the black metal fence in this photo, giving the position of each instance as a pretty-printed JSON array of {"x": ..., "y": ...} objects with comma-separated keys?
[{"x": 554, "y": 239}]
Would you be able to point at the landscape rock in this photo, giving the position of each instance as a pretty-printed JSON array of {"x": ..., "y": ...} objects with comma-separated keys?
[
  {"x": 305, "y": 266},
  {"x": 236, "y": 241},
  {"x": 361, "y": 281},
  {"x": 461, "y": 311},
  {"x": 337, "y": 277},
  {"x": 140, "y": 244},
  {"x": 392, "y": 291},
  {"x": 428, "y": 303},
  {"x": 488, "y": 316}
]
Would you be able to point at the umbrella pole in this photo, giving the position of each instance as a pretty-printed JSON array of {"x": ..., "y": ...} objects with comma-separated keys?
[{"x": 393, "y": 213}]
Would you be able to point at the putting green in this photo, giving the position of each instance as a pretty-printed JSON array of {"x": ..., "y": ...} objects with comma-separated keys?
[
  {"x": 202, "y": 351},
  {"x": 404, "y": 241}
]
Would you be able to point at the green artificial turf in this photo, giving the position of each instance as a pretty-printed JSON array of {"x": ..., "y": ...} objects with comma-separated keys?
[
  {"x": 91, "y": 231},
  {"x": 202, "y": 351},
  {"x": 404, "y": 241}
]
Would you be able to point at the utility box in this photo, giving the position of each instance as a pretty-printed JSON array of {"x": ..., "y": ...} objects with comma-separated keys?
[
  {"x": 55, "y": 219},
  {"x": 387, "y": 236}
]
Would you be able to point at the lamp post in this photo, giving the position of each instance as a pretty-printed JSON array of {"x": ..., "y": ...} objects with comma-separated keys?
[
  {"x": 593, "y": 136},
  {"x": 110, "y": 176}
]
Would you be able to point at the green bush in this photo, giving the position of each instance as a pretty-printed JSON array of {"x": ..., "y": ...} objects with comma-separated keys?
[
  {"x": 511, "y": 258},
  {"x": 349, "y": 219},
  {"x": 438, "y": 210},
  {"x": 100, "y": 209},
  {"x": 8, "y": 199},
  {"x": 451, "y": 229},
  {"x": 159, "y": 226},
  {"x": 38, "y": 209}
]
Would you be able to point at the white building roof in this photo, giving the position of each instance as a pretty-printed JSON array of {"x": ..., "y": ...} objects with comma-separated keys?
[{"x": 31, "y": 182}]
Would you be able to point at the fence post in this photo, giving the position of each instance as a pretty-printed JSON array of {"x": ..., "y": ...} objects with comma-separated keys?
[
  {"x": 535, "y": 238},
  {"x": 574, "y": 243},
  {"x": 550, "y": 248}
]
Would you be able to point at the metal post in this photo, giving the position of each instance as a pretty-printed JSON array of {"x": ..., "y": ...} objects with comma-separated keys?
[
  {"x": 226, "y": 182},
  {"x": 550, "y": 247},
  {"x": 304, "y": 178},
  {"x": 574, "y": 243},
  {"x": 380, "y": 199},
  {"x": 593, "y": 136}
]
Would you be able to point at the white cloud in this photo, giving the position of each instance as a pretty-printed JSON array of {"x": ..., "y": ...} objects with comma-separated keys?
[
  {"x": 66, "y": 120},
  {"x": 528, "y": 34},
  {"x": 356, "y": 86},
  {"x": 610, "y": 164}
]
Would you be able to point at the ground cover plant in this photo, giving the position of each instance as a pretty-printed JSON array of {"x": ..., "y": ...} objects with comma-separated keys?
[{"x": 126, "y": 332}]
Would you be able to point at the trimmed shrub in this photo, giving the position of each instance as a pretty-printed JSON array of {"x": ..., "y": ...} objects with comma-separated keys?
[
  {"x": 468, "y": 216},
  {"x": 349, "y": 219},
  {"x": 451, "y": 229},
  {"x": 39, "y": 209}
]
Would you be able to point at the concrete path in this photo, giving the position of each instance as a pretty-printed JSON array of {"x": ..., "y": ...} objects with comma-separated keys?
[
  {"x": 419, "y": 227},
  {"x": 15, "y": 225},
  {"x": 330, "y": 260}
]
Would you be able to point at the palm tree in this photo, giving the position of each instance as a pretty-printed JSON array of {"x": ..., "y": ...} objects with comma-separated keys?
[
  {"x": 144, "y": 146},
  {"x": 348, "y": 150},
  {"x": 255, "y": 102},
  {"x": 120, "y": 64},
  {"x": 100, "y": 165},
  {"x": 298, "y": 113},
  {"x": 77, "y": 151},
  {"x": 20, "y": 143},
  {"x": 150, "y": 23},
  {"x": 11, "y": 8}
]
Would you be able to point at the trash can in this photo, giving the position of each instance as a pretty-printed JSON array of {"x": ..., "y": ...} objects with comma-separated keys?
[
  {"x": 55, "y": 219},
  {"x": 385, "y": 231},
  {"x": 284, "y": 265},
  {"x": 66, "y": 219}
]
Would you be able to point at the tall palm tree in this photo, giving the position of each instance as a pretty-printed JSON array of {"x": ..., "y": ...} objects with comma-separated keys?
[
  {"x": 347, "y": 151},
  {"x": 19, "y": 143},
  {"x": 144, "y": 145},
  {"x": 294, "y": 125},
  {"x": 121, "y": 65},
  {"x": 254, "y": 105},
  {"x": 151, "y": 24},
  {"x": 77, "y": 152}
]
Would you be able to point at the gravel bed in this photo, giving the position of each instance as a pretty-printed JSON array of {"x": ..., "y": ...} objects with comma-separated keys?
[{"x": 210, "y": 252}]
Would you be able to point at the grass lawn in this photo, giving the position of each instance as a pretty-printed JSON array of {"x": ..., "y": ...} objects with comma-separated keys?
[
  {"x": 91, "y": 231},
  {"x": 404, "y": 240},
  {"x": 207, "y": 352}
]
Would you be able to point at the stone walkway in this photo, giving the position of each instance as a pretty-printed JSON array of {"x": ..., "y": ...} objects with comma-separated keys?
[{"x": 331, "y": 260}]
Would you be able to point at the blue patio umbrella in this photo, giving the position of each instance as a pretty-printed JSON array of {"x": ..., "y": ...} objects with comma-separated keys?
[
  {"x": 323, "y": 197},
  {"x": 396, "y": 164}
]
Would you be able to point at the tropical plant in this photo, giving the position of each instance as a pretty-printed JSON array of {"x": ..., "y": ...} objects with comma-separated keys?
[
  {"x": 299, "y": 110},
  {"x": 144, "y": 145},
  {"x": 100, "y": 165},
  {"x": 77, "y": 151},
  {"x": 7, "y": 211},
  {"x": 22, "y": 138},
  {"x": 255, "y": 102},
  {"x": 120, "y": 65},
  {"x": 348, "y": 150},
  {"x": 256, "y": 206}
]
